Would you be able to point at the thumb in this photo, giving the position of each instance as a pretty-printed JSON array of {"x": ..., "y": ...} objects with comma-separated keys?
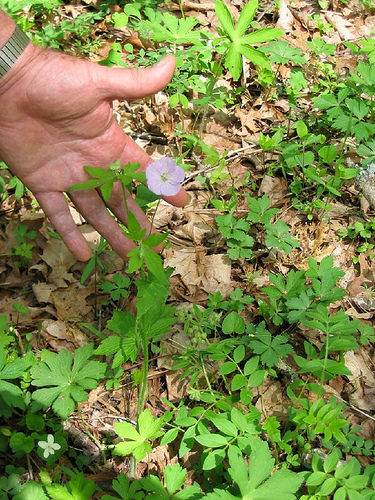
[{"x": 119, "y": 83}]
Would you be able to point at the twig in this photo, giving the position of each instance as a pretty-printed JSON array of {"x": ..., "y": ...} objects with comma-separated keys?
[
  {"x": 355, "y": 408},
  {"x": 198, "y": 6},
  {"x": 31, "y": 474}
]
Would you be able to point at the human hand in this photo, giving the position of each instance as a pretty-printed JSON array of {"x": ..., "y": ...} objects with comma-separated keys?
[{"x": 56, "y": 117}]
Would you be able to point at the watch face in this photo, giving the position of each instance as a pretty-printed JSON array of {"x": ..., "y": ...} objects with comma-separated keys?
[{"x": 12, "y": 50}]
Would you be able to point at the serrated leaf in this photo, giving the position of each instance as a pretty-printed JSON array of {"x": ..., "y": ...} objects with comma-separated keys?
[
  {"x": 174, "y": 477},
  {"x": 65, "y": 384}
]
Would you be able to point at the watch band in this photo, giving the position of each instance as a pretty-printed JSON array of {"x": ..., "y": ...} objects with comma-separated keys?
[{"x": 12, "y": 50}]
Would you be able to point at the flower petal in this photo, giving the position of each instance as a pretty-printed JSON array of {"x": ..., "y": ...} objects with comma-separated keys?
[{"x": 169, "y": 189}]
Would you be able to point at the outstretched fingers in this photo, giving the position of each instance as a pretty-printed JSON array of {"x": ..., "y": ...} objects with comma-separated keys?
[
  {"x": 56, "y": 208},
  {"x": 91, "y": 206}
]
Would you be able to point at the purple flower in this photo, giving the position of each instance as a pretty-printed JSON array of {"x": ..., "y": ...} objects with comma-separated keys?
[{"x": 164, "y": 177}]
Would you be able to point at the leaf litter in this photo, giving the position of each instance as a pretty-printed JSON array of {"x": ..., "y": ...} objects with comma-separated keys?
[{"x": 51, "y": 286}]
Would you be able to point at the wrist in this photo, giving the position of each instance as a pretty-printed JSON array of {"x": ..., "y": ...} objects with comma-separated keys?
[{"x": 20, "y": 67}]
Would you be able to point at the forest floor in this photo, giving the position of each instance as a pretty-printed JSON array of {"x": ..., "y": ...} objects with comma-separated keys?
[{"x": 58, "y": 301}]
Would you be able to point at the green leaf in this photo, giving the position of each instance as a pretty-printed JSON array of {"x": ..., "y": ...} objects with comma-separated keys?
[
  {"x": 239, "y": 353},
  {"x": 174, "y": 477},
  {"x": 169, "y": 436},
  {"x": 31, "y": 491},
  {"x": 227, "y": 367},
  {"x": 213, "y": 459},
  {"x": 328, "y": 486},
  {"x": 65, "y": 385},
  {"x": 255, "y": 56},
  {"x": 246, "y": 16},
  {"x": 331, "y": 461},
  {"x": 233, "y": 323},
  {"x": 233, "y": 62},
  {"x": 251, "y": 365},
  {"x": 137, "y": 441},
  {"x": 224, "y": 16},
  {"x": 238, "y": 382},
  {"x": 154, "y": 264},
  {"x": 212, "y": 440},
  {"x": 225, "y": 426},
  {"x": 262, "y": 35},
  {"x": 90, "y": 184},
  {"x": 316, "y": 478}
]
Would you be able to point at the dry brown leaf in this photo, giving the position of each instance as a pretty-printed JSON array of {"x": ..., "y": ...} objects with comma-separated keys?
[
  {"x": 286, "y": 18},
  {"x": 248, "y": 123},
  {"x": 199, "y": 227},
  {"x": 274, "y": 187},
  {"x": 362, "y": 379},
  {"x": 71, "y": 302},
  {"x": 341, "y": 25},
  {"x": 198, "y": 271},
  {"x": 42, "y": 291},
  {"x": 60, "y": 335},
  {"x": 60, "y": 260}
]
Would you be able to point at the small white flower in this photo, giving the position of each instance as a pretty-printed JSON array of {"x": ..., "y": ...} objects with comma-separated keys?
[{"x": 49, "y": 446}]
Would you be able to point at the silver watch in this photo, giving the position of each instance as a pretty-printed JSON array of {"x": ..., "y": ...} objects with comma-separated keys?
[{"x": 12, "y": 50}]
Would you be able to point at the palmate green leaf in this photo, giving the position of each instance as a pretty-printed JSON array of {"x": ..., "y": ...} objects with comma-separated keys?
[
  {"x": 220, "y": 495},
  {"x": 78, "y": 488},
  {"x": 282, "y": 52},
  {"x": 31, "y": 490},
  {"x": 64, "y": 384},
  {"x": 124, "y": 348},
  {"x": 255, "y": 481},
  {"x": 137, "y": 440},
  {"x": 125, "y": 489}
]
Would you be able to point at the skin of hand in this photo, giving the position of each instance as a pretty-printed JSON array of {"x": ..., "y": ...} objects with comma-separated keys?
[{"x": 55, "y": 118}]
